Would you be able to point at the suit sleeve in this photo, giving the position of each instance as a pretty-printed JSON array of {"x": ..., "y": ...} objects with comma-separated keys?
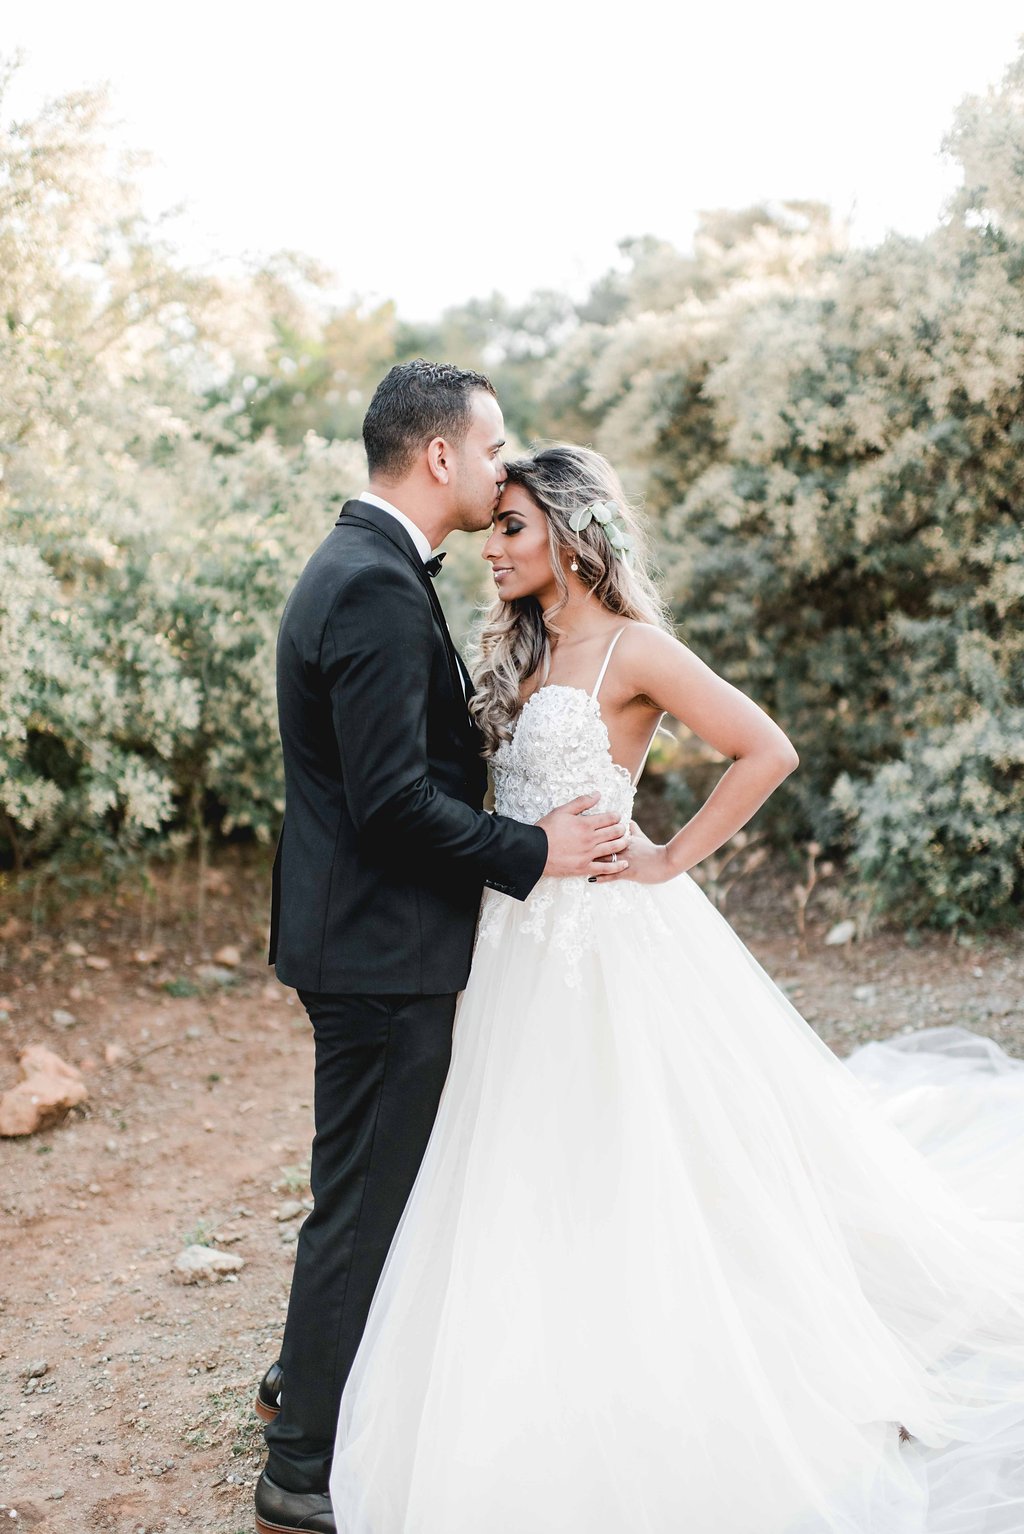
[{"x": 376, "y": 659}]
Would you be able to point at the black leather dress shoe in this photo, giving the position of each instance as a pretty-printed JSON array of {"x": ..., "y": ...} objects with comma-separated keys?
[
  {"x": 292, "y": 1512},
  {"x": 268, "y": 1393}
]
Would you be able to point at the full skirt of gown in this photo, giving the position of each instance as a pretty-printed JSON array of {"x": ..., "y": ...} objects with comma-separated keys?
[{"x": 672, "y": 1267}]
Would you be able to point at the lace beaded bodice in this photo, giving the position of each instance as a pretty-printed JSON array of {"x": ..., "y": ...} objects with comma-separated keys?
[{"x": 559, "y": 750}]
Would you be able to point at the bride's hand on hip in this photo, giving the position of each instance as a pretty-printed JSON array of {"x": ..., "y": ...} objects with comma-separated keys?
[{"x": 648, "y": 862}]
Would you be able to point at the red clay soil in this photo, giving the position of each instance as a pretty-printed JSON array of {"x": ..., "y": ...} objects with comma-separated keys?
[{"x": 126, "y": 1400}]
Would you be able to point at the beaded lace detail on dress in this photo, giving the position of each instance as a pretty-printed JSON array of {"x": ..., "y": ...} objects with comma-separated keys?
[{"x": 560, "y": 750}]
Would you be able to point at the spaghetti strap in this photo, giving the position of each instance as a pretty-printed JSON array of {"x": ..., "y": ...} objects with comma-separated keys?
[{"x": 600, "y": 676}]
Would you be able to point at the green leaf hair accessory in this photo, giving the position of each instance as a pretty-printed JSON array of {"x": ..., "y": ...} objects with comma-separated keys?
[{"x": 609, "y": 517}]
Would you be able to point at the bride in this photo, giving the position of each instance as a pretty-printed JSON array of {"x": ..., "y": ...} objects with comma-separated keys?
[{"x": 669, "y": 1266}]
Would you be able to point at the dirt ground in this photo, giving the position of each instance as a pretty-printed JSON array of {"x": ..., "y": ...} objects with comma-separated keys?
[{"x": 126, "y": 1396}]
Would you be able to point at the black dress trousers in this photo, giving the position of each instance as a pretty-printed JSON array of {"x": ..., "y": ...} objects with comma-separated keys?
[
  {"x": 383, "y": 857},
  {"x": 381, "y": 1063}
]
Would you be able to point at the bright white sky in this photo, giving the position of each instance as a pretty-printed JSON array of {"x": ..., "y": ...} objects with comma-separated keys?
[{"x": 432, "y": 154}]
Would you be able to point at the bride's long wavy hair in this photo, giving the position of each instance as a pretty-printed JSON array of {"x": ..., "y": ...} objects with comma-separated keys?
[{"x": 513, "y": 637}]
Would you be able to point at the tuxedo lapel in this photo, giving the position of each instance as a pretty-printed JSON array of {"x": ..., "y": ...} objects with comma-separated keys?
[
  {"x": 467, "y": 680},
  {"x": 362, "y": 514}
]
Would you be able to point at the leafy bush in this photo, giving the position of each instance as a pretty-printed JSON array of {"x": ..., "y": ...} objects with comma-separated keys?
[
  {"x": 830, "y": 443},
  {"x": 146, "y": 547}
]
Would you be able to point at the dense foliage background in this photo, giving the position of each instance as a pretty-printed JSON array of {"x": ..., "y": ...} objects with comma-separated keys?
[{"x": 828, "y": 442}]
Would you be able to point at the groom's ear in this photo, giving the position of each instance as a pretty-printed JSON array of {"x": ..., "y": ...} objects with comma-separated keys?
[{"x": 439, "y": 459}]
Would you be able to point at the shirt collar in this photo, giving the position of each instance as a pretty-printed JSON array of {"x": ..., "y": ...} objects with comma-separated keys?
[{"x": 417, "y": 535}]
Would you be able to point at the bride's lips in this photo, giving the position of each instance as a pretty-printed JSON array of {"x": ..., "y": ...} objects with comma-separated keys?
[{"x": 499, "y": 571}]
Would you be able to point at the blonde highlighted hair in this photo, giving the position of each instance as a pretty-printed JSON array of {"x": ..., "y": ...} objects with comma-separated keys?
[{"x": 561, "y": 479}]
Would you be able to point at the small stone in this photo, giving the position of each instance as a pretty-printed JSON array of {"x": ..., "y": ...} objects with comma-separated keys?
[
  {"x": 58, "y": 1493},
  {"x": 113, "y": 1054},
  {"x": 147, "y": 956},
  {"x": 290, "y": 1209},
  {"x": 95, "y": 961},
  {"x": 50, "y": 1089},
  {"x": 94, "y": 1187},
  {"x": 214, "y": 974},
  {"x": 229, "y": 956},
  {"x": 63, "y": 1019},
  {"x": 35, "y": 1370},
  {"x": 74, "y": 950},
  {"x": 842, "y": 932},
  {"x": 288, "y": 1234},
  {"x": 199, "y": 1264},
  {"x": 228, "y": 1237},
  {"x": 1000, "y": 1006},
  {"x": 865, "y": 993}
]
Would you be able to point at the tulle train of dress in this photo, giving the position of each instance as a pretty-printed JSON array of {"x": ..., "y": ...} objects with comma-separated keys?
[{"x": 670, "y": 1266}]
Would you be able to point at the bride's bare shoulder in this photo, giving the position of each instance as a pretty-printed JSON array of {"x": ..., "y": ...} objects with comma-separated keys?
[
  {"x": 645, "y": 644},
  {"x": 667, "y": 674},
  {"x": 648, "y": 660}
]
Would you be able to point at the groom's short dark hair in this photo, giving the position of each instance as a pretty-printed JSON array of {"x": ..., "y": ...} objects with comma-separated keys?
[{"x": 414, "y": 403}]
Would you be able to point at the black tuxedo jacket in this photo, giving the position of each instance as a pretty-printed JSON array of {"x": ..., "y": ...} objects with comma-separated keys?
[{"x": 385, "y": 848}]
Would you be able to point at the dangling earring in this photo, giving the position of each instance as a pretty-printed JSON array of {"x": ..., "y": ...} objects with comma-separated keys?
[{"x": 577, "y": 522}]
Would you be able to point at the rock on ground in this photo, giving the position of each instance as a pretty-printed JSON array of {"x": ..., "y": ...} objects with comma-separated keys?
[
  {"x": 51, "y": 1087},
  {"x": 201, "y": 1264},
  {"x": 842, "y": 932}
]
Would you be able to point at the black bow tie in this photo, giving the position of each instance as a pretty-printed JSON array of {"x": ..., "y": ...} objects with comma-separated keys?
[{"x": 433, "y": 564}]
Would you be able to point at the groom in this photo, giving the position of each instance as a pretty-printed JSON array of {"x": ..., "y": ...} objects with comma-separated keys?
[{"x": 378, "y": 877}]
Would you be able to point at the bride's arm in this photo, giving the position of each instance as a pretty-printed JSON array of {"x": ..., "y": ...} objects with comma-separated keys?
[{"x": 657, "y": 667}]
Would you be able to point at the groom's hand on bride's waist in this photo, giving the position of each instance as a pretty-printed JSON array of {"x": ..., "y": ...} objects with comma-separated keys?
[{"x": 579, "y": 844}]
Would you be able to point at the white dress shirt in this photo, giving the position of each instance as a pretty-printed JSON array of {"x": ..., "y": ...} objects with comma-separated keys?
[{"x": 418, "y": 537}]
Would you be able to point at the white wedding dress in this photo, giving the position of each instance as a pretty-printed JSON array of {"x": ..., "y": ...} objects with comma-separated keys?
[{"x": 669, "y": 1266}]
